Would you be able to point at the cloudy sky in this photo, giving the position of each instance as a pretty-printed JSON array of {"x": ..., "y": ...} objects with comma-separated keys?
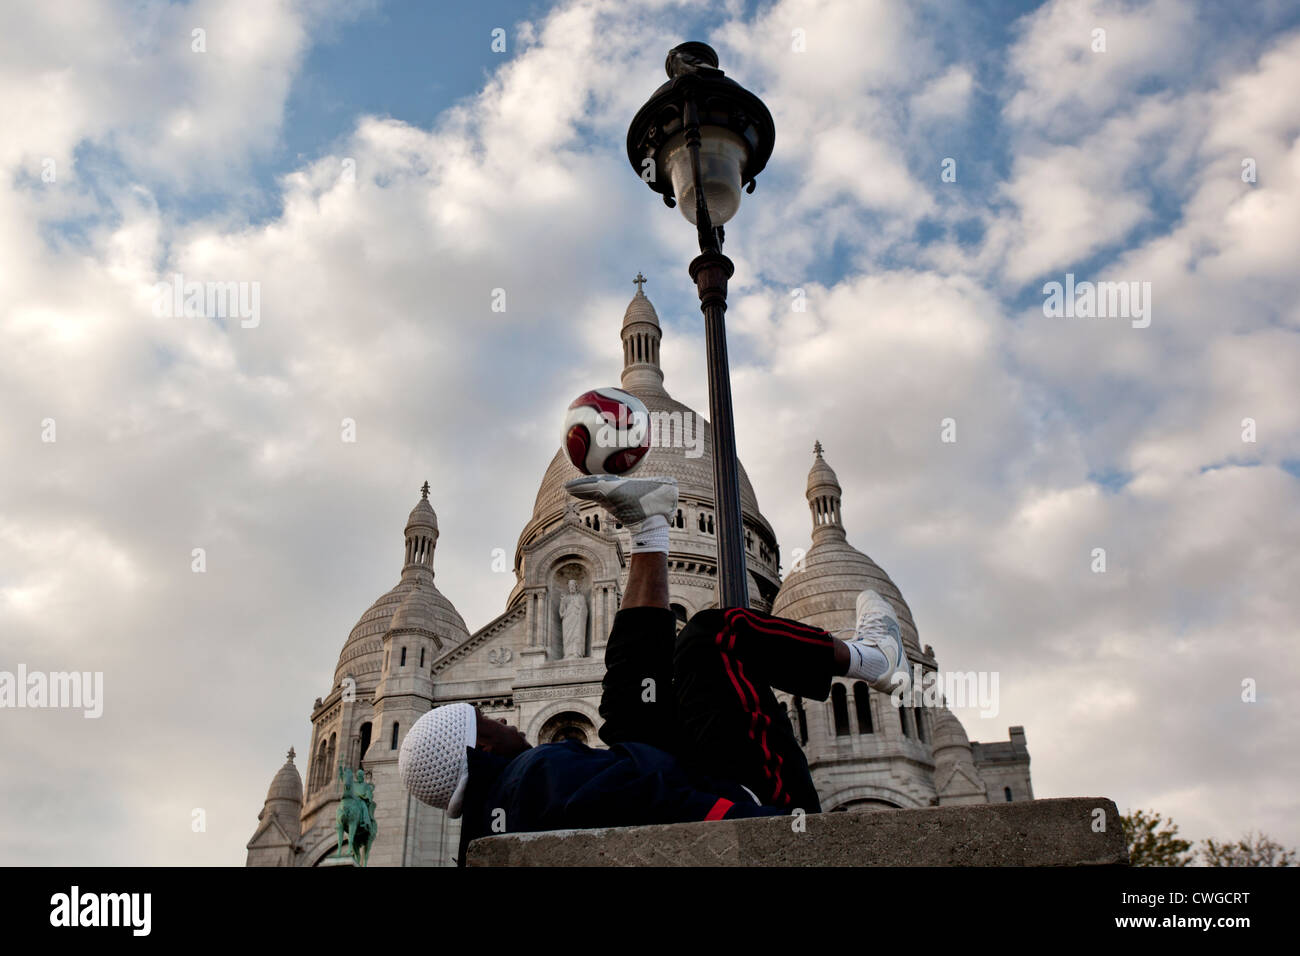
[{"x": 378, "y": 171}]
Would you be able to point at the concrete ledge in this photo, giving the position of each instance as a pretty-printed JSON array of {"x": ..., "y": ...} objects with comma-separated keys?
[{"x": 1033, "y": 833}]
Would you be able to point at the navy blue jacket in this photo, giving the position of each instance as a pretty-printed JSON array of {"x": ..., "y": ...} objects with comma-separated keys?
[{"x": 568, "y": 785}]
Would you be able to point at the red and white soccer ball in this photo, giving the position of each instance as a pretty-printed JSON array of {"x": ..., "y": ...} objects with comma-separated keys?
[{"x": 606, "y": 432}]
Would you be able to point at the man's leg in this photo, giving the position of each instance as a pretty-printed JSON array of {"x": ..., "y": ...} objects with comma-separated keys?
[{"x": 725, "y": 666}]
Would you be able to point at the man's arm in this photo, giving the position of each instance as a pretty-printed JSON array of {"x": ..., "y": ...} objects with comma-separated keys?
[{"x": 637, "y": 702}]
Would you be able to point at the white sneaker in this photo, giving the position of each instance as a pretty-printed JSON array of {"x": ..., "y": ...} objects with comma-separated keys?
[
  {"x": 878, "y": 627},
  {"x": 629, "y": 500}
]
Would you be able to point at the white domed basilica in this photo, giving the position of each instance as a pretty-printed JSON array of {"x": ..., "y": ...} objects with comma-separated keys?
[{"x": 540, "y": 663}]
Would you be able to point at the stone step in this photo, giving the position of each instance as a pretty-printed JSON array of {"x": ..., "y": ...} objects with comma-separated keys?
[{"x": 1055, "y": 832}]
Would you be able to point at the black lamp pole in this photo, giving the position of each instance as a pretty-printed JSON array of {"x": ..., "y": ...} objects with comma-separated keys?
[
  {"x": 698, "y": 101},
  {"x": 711, "y": 270}
]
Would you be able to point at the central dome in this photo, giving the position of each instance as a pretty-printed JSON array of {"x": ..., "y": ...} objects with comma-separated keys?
[
  {"x": 689, "y": 460},
  {"x": 681, "y": 447}
]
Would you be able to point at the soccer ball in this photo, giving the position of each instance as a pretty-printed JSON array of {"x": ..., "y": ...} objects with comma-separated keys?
[{"x": 606, "y": 432}]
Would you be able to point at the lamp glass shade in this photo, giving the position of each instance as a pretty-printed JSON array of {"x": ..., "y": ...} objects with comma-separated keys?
[{"x": 722, "y": 157}]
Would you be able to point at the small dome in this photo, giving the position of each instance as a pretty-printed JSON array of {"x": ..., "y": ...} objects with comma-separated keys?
[
  {"x": 640, "y": 310},
  {"x": 824, "y": 591},
  {"x": 422, "y": 515},
  {"x": 287, "y": 783},
  {"x": 947, "y": 732},
  {"x": 425, "y": 608},
  {"x": 821, "y": 477}
]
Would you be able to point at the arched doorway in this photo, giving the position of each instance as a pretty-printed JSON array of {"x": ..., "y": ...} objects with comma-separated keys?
[{"x": 568, "y": 725}]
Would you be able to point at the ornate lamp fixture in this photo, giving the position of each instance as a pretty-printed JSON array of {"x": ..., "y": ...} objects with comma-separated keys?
[{"x": 699, "y": 141}]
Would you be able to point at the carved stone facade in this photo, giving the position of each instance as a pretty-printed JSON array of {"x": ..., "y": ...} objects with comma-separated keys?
[{"x": 411, "y": 650}]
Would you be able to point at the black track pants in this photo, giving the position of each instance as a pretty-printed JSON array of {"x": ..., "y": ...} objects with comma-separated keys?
[{"x": 706, "y": 695}]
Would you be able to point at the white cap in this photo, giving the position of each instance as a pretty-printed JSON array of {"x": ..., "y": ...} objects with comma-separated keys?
[{"x": 433, "y": 764}]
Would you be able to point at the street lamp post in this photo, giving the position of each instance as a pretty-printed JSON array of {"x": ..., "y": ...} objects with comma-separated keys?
[{"x": 697, "y": 142}]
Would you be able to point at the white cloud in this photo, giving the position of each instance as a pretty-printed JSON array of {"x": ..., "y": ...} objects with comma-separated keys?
[
  {"x": 183, "y": 433},
  {"x": 945, "y": 97},
  {"x": 1066, "y": 84}
]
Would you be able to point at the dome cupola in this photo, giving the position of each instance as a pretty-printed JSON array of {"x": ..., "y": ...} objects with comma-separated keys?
[
  {"x": 286, "y": 786},
  {"x": 823, "y": 493},
  {"x": 421, "y": 534},
  {"x": 641, "y": 335}
]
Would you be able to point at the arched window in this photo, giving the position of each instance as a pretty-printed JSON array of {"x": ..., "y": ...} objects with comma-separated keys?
[
  {"x": 920, "y": 723},
  {"x": 840, "y": 707},
  {"x": 902, "y": 721},
  {"x": 681, "y": 522},
  {"x": 1007, "y": 793},
  {"x": 365, "y": 740},
  {"x": 710, "y": 524},
  {"x": 402, "y": 662},
  {"x": 802, "y": 719},
  {"x": 329, "y": 763},
  {"x": 422, "y": 658},
  {"x": 322, "y": 761},
  {"x": 393, "y": 744},
  {"x": 595, "y": 522},
  {"x": 862, "y": 703},
  {"x": 701, "y": 520},
  {"x": 749, "y": 540}
]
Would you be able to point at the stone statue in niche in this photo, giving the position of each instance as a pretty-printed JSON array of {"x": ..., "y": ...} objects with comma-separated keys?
[{"x": 573, "y": 622}]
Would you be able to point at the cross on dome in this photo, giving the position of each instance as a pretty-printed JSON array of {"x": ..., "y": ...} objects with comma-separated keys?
[
  {"x": 424, "y": 491},
  {"x": 639, "y": 281},
  {"x": 817, "y": 448}
]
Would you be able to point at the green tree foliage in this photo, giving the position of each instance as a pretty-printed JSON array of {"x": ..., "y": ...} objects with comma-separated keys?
[
  {"x": 1153, "y": 842},
  {"x": 1255, "y": 849}
]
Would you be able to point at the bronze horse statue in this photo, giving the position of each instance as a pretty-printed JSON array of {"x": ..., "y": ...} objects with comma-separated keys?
[{"x": 355, "y": 815}]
